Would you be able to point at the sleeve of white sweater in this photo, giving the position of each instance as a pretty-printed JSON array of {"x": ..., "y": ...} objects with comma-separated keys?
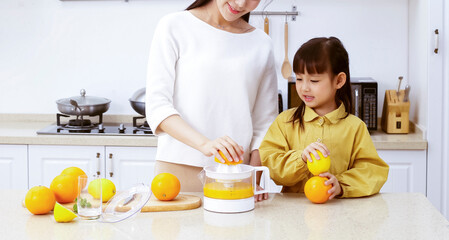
[
  {"x": 265, "y": 111},
  {"x": 161, "y": 76}
]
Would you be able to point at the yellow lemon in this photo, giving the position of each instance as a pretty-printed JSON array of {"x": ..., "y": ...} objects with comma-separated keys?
[
  {"x": 107, "y": 189},
  {"x": 62, "y": 214},
  {"x": 318, "y": 166}
]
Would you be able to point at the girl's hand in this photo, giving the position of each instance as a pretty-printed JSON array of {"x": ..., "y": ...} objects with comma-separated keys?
[
  {"x": 231, "y": 150},
  {"x": 336, "y": 188},
  {"x": 312, "y": 149},
  {"x": 260, "y": 197}
]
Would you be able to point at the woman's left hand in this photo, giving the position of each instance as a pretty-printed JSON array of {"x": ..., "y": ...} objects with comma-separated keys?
[{"x": 336, "y": 188}]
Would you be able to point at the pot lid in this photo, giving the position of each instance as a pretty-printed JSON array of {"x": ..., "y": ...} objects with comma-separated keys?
[
  {"x": 84, "y": 100},
  {"x": 126, "y": 203},
  {"x": 139, "y": 95}
]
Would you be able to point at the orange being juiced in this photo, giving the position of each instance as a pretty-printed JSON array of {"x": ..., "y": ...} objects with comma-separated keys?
[
  {"x": 226, "y": 160},
  {"x": 236, "y": 190}
]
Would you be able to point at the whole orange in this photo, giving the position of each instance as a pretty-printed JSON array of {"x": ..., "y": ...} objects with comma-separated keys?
[
  {"x": 315, "y": 189},
  {"x": 65, "y": 188},
  {"x": 76, "y": 172},
  {"x": 165, "y": 186},
  {"x": 40, "y": 200}
]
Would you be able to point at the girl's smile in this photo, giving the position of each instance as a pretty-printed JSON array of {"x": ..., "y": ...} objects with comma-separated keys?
[{"x": 308, "y": 98}]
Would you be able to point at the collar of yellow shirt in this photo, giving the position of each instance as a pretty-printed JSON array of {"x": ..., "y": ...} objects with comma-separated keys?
[{"x": 333, "y": 117}]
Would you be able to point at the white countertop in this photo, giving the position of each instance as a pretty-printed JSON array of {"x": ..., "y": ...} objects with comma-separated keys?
[
  {"x": 21, "y": 129},
  {"x": 283, "y": 216}
]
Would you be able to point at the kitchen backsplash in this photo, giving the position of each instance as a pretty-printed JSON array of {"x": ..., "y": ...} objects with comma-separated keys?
[{"x": 50, "y": 49}]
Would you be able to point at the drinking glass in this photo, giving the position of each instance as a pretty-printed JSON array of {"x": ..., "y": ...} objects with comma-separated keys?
[{"x": 89, "y": 200}]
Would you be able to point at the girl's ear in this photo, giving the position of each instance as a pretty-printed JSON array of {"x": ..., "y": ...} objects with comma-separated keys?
[{"x": 340, "y": 80}]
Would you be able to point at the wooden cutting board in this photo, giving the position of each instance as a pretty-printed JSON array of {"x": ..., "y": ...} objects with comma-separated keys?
[{"x": 181, "y": 202}]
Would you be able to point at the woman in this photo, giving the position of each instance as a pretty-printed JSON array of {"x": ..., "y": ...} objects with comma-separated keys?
[{"x": 211, "y": 87}]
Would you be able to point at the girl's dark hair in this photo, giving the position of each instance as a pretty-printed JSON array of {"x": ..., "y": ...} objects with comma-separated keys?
[
  {"x": 200, "y": 3},
  {"x": 321, "y": 55}
]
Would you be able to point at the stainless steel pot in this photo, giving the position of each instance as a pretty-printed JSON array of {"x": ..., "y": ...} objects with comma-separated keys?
[
  {"x": 83, "y": 105},
  {"x": 137, "y": 101}
]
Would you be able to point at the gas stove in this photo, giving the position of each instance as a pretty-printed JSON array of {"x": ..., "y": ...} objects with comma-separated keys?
[{"x": 81, "y": 126}]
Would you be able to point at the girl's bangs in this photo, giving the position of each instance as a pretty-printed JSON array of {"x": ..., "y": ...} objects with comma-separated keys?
[{"x": 314, "y": 60}]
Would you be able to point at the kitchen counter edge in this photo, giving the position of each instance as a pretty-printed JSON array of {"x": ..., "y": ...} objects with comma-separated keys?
[{"x": 21, "y": 129}]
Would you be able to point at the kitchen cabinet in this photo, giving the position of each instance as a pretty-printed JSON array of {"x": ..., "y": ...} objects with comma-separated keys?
[
  {"x": 429, "y": 74},
  {"x": 125, "y": 166},
  {"x": 13, "y": 167},
  {"x": 407, "y": 170}
]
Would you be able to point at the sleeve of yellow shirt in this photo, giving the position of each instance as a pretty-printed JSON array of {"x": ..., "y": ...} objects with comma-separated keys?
[
  {"x": 368, "y": 171},
  {"x": 286, "y": 166}
]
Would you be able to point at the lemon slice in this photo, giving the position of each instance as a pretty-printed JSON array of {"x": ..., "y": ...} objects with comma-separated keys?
[{"x": 63, "y": 214}]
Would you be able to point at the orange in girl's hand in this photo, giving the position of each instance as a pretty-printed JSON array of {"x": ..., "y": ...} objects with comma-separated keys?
[
  {"x": 226, "y": 160},
  {"x": 76, "y": 172},
  {"x": 39, "y": 200},
  {"x": 165, "y": 186},
  {"x": 65, "y": 188},
  {"x": 316, "y": 191}
]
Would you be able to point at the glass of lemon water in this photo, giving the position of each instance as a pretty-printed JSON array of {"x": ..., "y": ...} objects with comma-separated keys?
[{"x": 89, "y": 200}]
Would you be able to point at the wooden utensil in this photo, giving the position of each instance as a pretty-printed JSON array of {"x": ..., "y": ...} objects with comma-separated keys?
[
  {"x": 181, "y": 202},
  {"x": 399, "y": 85},
  {"x": 266, "y": 26},
  {"x": 286, "y": 68}
]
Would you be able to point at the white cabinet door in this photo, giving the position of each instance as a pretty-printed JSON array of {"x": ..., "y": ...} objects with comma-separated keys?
[
  {"x": 13, "y": 167},
  {"x": 46, "y": 162},
  {"x": 127, "y": 166},
  {"x": 407, "y": 170}
]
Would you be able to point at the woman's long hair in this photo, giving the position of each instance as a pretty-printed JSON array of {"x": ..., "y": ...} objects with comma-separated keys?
[
  {"x": 200, "y": 3},
  {"x": 321, "y": 55}
]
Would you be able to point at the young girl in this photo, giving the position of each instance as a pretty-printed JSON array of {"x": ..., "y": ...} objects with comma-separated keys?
[{"x": 323, "y": 122}]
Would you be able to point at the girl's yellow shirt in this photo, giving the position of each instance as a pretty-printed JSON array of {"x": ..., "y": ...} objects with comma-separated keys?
[{"x": 354, "y": 159}]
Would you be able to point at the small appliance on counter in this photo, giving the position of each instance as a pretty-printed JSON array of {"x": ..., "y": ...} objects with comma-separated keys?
[
  {"x": 364, "y": 100},
  {"x": 230, "y": 187}
]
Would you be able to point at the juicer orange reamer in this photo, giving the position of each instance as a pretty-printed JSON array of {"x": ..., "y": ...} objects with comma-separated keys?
[{"x": 230, "y": 187}]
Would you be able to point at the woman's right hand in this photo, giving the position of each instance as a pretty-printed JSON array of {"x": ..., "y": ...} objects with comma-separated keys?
[
  {"x": 312, "y": 149},
  {"x": 231, "y": 150}
]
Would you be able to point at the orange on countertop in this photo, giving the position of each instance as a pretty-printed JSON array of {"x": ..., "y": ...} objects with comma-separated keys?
[
  {"x": 39, "y": 200},
  {"x": 165, "y": 186},
  {"x": 316, "y": 191},
  {"x": 76, "y": 172},
  {"x": 65, "y": 188}
]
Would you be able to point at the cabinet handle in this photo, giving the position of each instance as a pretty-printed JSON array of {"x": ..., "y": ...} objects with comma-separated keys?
[
  {"x": 111, "y": 167},
  {"x": 437, "y": 41},
  {"x": 98, "y": 164}
]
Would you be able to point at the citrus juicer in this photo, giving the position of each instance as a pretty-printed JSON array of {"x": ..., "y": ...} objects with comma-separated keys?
[{"x": 230, "y": 187}]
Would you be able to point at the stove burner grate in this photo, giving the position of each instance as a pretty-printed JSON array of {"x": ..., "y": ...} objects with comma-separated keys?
[
  {"x": 145, "y": 127},
  {"x": 79, "y": 123}
]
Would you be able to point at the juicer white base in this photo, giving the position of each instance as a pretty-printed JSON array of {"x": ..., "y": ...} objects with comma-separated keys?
[{"x": 228, "y": 206}]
